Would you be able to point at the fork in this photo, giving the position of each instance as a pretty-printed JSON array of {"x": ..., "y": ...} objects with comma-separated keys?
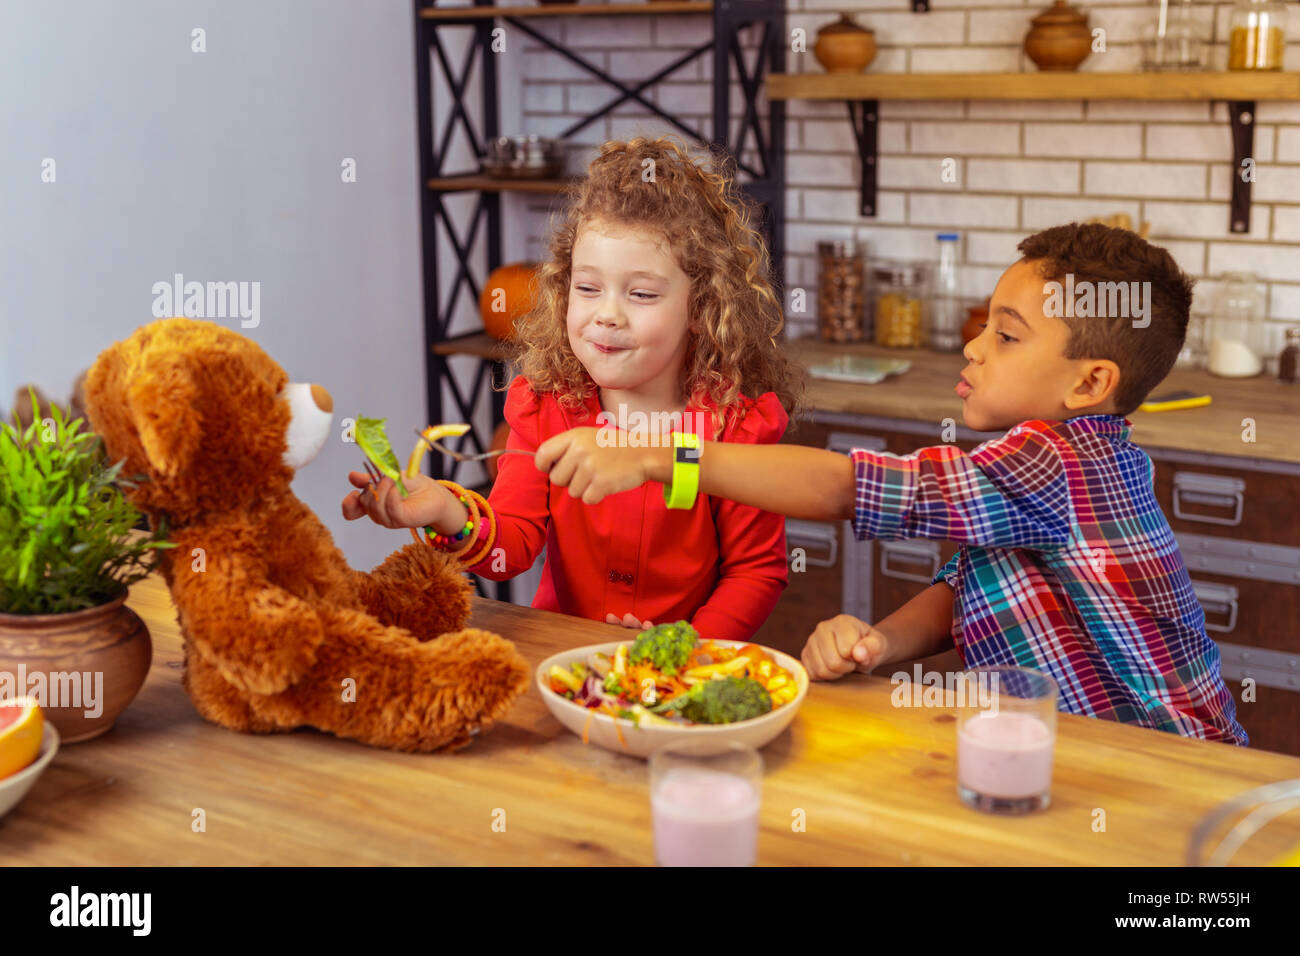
[{"x": 461, "y": 456}]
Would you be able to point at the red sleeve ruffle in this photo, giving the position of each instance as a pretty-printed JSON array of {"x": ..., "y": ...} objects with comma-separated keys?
[{"x": 764, "y": 422}]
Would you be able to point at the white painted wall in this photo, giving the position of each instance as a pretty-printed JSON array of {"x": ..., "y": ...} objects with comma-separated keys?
[{"x": 222, "y": 165}]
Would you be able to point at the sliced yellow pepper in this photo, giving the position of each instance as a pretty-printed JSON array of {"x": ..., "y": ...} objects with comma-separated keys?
[
  {"x": 433, "y": 433},
  {"x": 727, "y": 667},
  {"x": 567, "y": 678}
]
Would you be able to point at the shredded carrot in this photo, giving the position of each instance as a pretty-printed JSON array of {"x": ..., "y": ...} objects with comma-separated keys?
[
  {"x": 587, "y": 726},
  {"x": 619, "y": 730}
]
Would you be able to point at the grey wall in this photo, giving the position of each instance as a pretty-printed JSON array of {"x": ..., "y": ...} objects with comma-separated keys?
[{"x": 223, "y": 165}]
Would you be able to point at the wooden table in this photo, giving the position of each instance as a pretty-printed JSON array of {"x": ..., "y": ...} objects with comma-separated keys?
[{"x": 874, "y": 783}]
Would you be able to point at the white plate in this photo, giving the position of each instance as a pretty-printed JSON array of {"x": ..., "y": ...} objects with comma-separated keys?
[
  {"x": 15, "y": 786},
  {"x": 641, "y": 741}
]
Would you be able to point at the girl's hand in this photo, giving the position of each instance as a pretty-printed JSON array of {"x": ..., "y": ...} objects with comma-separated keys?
[
  {"x": 590, "y": 470},
  {"x": 426, "y": 503},
  {"x": 841, "y": 645},
  {"x": 628, "y": 621}
]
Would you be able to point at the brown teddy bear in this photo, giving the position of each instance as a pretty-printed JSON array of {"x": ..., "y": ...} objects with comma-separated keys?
[{"x": 279, "y": 631}]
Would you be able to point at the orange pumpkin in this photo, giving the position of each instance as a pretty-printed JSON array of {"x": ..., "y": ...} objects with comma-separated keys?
[{"x": 507, "y": 295}]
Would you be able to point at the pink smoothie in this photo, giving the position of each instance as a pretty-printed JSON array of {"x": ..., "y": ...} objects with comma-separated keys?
[
  {"x": 705, "y": 818},
  {"x": 1005, "y": 755}
]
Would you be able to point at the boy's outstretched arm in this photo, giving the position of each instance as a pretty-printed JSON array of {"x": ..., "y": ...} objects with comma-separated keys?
[{"x": 792, "y": 480}]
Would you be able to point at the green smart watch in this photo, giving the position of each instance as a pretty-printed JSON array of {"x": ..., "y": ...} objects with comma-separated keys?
[{"x": 686, "y": 471}]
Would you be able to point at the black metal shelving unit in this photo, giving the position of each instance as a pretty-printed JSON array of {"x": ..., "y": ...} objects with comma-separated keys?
[{"x": 759, "y": 132}]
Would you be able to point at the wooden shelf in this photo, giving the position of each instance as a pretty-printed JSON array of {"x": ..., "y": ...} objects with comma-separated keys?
[
  {"x": 567, "y": 10},
  {"x": 479, "y": 344},
  {"x": 479, "y": 182},
  {"x": 862, "y": 93},
  {"x": 1035, "y": 86}
]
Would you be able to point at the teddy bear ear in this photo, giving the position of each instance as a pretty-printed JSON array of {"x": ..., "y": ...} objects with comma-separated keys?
[{"x": 163, "y": 399}]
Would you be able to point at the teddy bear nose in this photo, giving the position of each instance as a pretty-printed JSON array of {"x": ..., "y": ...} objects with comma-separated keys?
[{"x": 322, "y": 398}]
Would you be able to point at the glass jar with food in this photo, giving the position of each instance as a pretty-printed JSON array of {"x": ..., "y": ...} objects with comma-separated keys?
[
  {"x": 841, "y": 290},
  {"x": 1257, "y": 35},
  {"x": 898, "y": 303},
  {"x": 1238, "y": 339}
]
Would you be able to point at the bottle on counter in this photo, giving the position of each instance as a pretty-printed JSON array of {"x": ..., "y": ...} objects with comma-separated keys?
[
  {"x": 946, "y": 318},
  {"x": 1288, "y": 363},
  {"x": 1237, "y": 334}
]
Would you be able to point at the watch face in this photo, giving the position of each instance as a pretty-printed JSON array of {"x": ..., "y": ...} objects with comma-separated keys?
[{"x": 688, "y": 456}]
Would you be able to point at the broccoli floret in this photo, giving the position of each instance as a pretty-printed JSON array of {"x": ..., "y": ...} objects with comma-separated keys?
[
  {"x": 666, "y": 646},
  {"x": 723, "y": 701}
]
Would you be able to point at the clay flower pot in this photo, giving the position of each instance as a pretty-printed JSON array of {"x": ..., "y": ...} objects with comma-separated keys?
[
  {"x": 845, "y": 47},
  {"x": 89, "y": 663},
  {"x": 1059, "y": 39}
]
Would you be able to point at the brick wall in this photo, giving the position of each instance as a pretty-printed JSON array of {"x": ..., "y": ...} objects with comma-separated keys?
[{"x": 1021, "y": 166}]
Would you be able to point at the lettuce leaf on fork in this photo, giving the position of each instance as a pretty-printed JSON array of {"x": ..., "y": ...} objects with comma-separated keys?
[{"x": 373, "y": 441}]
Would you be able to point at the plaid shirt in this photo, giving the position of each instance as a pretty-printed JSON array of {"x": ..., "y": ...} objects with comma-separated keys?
[{"x": 1067, "y": 565}]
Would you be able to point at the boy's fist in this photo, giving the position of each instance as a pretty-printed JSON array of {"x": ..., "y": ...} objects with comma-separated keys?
[{"x": 841, "y": 645}]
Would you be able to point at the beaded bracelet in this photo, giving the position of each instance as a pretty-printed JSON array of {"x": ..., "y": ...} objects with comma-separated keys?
[
  {"x": 452, "y": 544},
  {"x": 490, "y": 516}
]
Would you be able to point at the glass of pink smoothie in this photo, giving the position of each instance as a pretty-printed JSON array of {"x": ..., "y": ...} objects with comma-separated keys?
[
  {"x": 704, "y": 799},
  {"x": 1006, "y": 735}
]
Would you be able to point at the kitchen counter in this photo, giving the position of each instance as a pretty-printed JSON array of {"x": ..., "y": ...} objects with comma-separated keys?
[
  {"x": 874, "y": 782},
  {"x": 925, "y": 394}
]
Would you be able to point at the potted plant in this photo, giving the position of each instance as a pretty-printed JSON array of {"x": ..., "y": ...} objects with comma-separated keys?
[{"x": 68, "y": 553}]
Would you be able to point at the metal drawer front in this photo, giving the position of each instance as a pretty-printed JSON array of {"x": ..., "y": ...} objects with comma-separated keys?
[
  {"x": 813, "y": 535},
  {"x": 909, "y": 553},
  {"x": 1267, "y": 668},
  {"x": 1217, "y": 491},
  {"x": 1217, "y": 599}
]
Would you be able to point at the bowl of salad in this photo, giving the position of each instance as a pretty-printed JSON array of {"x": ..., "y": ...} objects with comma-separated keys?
[{"x": 669, "y": 684}]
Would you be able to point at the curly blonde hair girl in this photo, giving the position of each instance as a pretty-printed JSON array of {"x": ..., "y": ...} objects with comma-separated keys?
[{"x": 735, "y": 313}]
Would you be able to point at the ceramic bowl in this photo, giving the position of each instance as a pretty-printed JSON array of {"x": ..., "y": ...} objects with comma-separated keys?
[
  {"x": 642, "y": 741},
  {"x": 15, "y": 786}
]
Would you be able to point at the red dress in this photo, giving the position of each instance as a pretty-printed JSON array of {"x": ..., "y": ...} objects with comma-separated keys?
[{"x": 719, "y": 565}]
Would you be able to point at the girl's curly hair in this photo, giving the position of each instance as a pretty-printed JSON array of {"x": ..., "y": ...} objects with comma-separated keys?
[{"x": 735, "y": 313}]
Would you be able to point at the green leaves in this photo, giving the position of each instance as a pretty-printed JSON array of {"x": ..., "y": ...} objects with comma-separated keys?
[
  {"x": 373, "y": 441},
  {"x": 67, "y": 539}
]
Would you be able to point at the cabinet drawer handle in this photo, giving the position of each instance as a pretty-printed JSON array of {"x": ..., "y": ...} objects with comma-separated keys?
[
  {"x": 1217, "y": 598},
  {"x": 806, "y": 534},
  {"x": 1214, "y": 490},
  {"x": 909, "y": 552}
]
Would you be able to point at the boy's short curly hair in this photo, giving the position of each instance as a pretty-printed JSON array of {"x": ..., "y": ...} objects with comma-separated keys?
[
  {"x": 1099, "y": 254},
  {"x": 700, "y": 213}
]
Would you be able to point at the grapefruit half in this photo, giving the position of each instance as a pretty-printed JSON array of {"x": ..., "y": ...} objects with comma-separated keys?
[{"x": 21, "y": 728}]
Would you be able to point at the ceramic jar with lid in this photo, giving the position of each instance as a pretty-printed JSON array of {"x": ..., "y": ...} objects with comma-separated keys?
[
  {"x": 1059, "y": 39},
  {"x": 1238, "y": 338},
  {"x": 845, "y": 47}
]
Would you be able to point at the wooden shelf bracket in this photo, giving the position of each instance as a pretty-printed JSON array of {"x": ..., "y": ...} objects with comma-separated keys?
[
  {"x": 1241, "y": 114},
  {"x": 865, "y": 117}
]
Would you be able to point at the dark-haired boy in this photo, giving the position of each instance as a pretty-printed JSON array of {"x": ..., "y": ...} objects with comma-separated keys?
[{"x": 1067, "y": 564}]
